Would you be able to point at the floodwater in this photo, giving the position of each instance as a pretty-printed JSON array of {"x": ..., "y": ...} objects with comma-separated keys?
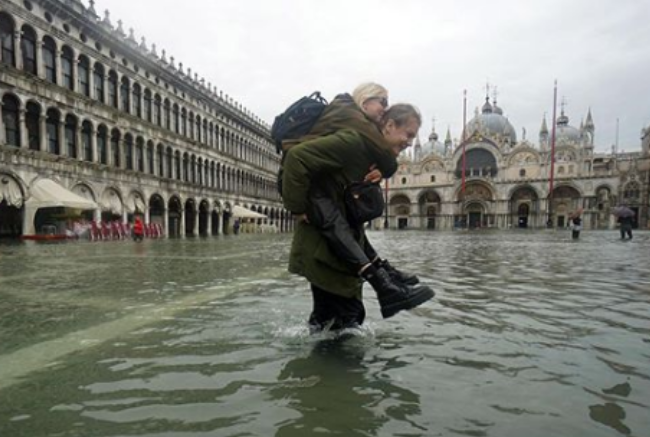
[{"x": 530, "y": 334}]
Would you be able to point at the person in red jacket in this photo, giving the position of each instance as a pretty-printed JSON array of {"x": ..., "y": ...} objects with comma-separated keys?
[{"x": 138, "y": 229}]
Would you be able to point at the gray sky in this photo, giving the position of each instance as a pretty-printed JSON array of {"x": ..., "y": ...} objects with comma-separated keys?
[{"x": 268, "y": 53}]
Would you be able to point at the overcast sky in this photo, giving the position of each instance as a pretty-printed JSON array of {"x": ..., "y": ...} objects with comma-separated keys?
[{"x": 268, "y": 53}]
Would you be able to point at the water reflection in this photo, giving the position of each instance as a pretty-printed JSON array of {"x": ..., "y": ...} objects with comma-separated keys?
[{"x": 336, "y": 393}]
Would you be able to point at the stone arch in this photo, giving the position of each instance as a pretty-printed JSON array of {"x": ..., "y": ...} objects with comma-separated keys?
[
  {"x": 174, "y": 215},
  {"x": 12, "y": 199}
]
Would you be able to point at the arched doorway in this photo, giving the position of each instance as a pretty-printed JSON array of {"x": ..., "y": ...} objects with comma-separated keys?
[
  {"x": 565, "y": 200},
  {"x": 429, "y": 205},
  {"x": 400, "y": 207},
  {"x": 204, "y": 214},
  {"x": 524, "y": 205},
  {"x": 190, "y": 217},
  {"x": 475, "y": 212},
  {"x": 157, "y": 210},
  {"x": 174, "y": 214},
  {"x": 227, "y": 215}
]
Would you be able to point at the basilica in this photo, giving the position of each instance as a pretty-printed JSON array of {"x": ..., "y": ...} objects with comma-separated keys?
[
  {"x": 492, "y": 179},
  {"x": 100, "y": 127}
]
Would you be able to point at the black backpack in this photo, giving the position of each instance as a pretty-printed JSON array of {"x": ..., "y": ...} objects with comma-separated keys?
[{"x": 298, "y": 119}]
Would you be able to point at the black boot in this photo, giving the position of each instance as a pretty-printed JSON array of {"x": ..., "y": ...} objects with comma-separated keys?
[
  {"x": 396, "y": 275},
  {"x": 394, "y": 296}
]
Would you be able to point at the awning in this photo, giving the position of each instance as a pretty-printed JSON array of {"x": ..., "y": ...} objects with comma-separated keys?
[
  {"x": 47, "y": 194},
  {"x": 241, "y": 212},
  {"x": 10, "y": 192}
]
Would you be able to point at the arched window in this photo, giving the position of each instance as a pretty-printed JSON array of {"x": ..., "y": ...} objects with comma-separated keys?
[
  {"x": 83, "y": 71},
  {"x": 150, "y": 167},
  {"x": 111, "y": 90},
  {"x": 198, "y": 128},
  {"x": 161, "y": 160},
  {"x": 102, "y": 137},
  {"x": 176, "y": 119},
  {"x": 28, "y": 49},
  {"x": 86, "y": 141},
  {"x": 147, "y": 105},
  {"x": 137, "y": 100},
  {"x": 98, "y": 81},
  {"x": 190, "y": 121},
  {"x": 7, "y": 40},
  {"x": 32, "y": 119},
  {"x": 184, "y": 122},
  {"x": 168, "y": 114},
  {"x": 52, "y": 128},
  {"x": 139, "y": 154},
  {"x": 157, "y": 110},
  {"x": 67, "y": 58},
  {"x": 522, "y": 173},
  {"x": 49, "y": 54},
  {"x": 186, "y": 165},
  {"x": 10, "y": 119},
  {"x": 115, "y": 148},
  {"x": 169, "y": 163},
  {"x": 71, "y": 135},
  {"x": 125, "y": 94},
  {"x": 177, "y": 161},
  {"x": 128, "y": 151}
]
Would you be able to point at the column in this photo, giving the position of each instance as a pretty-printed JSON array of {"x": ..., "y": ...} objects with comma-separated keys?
[
  {"x": 3, "y": 139},
  {"x": 209, "y": 223},
  {"x": 195, "y": 227},
  {"x": 40, "y": 70},
  {"x": 57, "y": 65},
  {"x": 97, "y": 215},
  {"x": 22, "y": 125},
  {"x": 62, "y": 143},
  {"x": 42, "y": 132},
  {"x": 93, "y": 145},
  {"x": 78, "y": 145},
  {"x": 17, "y": 50},
  {"x": 182, "y": 224},
  {"x": 75, "y": 74},
  {"x": 165, "y": 223}
]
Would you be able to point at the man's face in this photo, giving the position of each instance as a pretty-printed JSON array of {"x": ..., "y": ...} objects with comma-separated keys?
[{"x": 401, "y": 137}]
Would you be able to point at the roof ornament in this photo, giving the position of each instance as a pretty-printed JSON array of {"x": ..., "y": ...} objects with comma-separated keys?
[
  {"x": 91, "y": 8},
  {"x": 120, "y": 29},
  {"x": 153, "y": 50},
  {"x": 132, "y": 36},
  {"x": 164, "y": 56},
  {"x": 107, "y": 18},
  {"x": 143, "y": 43}
]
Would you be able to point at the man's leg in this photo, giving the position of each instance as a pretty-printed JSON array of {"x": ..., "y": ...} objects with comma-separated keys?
[{"x": 334, "y": 312}]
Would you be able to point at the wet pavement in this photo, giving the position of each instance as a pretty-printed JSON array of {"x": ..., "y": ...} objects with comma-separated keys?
[{"x": 530, "y": 334}]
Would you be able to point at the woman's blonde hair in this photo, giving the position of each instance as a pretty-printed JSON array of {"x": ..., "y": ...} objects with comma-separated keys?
[
  {"x": 401, "y": 113},
  {"x": 368, "y": 90}
]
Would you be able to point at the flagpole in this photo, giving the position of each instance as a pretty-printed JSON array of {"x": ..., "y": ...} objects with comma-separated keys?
[
  {"x": 462, "y": 190},
  {"x": 549, "y": 223}
]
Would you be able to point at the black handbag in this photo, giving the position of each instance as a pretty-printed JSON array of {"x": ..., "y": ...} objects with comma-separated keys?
[{"x": 364, "y": 201}]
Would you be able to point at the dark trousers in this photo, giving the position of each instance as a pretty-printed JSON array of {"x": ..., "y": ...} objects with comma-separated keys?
[
  {"x": 575, "y": 234},
  {"x": 626, "y": 230},
  {"x": 334, "y": 312}
]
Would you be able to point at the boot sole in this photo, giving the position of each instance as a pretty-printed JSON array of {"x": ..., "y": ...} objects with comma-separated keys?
[{"x": 414, "y": 301}]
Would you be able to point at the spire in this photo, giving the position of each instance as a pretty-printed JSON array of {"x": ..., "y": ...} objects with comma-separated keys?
[
  {"x": 544, "y": 128},
  {"x": 589, "y": 123},
  {"x": 448, "y": 137}
]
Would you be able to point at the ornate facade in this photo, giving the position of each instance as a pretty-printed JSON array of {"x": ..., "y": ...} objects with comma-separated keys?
[
  {"x": 507, "y": 181},
  {"x": 116, "y": 122}
]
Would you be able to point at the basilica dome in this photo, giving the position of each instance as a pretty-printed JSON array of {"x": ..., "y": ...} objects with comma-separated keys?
[
  {"x": 493, "y": 124},
  {"x": 566, "y": 134}
]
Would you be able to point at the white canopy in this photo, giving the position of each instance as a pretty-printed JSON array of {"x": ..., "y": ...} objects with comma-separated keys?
[
  {"x": 45, "y": 193},
  {"x": 10, "y": 192},
  {"x": 241, "y": 212}
]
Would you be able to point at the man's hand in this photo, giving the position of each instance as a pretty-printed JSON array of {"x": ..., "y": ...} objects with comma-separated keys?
[
  {"x": 374, "y": 176},
  {"x": 300, "y": 218}
]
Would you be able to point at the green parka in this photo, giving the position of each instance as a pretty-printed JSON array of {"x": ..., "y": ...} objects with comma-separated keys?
[{"x": 332, "y": 162}]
